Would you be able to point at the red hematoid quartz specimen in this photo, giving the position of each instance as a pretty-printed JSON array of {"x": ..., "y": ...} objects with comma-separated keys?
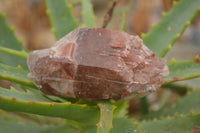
[{"x": 96, "y": 63}]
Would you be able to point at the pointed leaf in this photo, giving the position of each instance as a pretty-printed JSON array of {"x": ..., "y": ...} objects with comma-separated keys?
[
  {"x": 186, "y": 105},
  {"x": 12, "y": 100},
  {"x": 163, "y": 35},
  {"x": 123, "y": 125},
  {"x": 8, "y": 40},
  {"x": 182, "y": 70},
  {"x": 9, "y": 127},
  {"x": 14, "y": 74},
  {"x": 20, "y": 127},
  {"x": 60, "y": 14},
  {"x": 88, "y": 14}
]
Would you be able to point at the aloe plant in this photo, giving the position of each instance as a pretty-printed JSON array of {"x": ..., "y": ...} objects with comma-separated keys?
[{"x": 79, "y": 116}]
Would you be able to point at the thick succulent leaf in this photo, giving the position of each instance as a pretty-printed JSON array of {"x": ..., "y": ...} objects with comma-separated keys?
[
  {"x": 60, "y": 14},
  {"x": 8, "y": 40},
  {"x": 182, "y": 70},
  {"x": 106, "y": 117},
  {"x": 186, "y": 105},
  {"x": 25, "y": 96},
  {"x": 163, "y": 35},
  {"x": 12, "y": 127},
  {"x": 169, "y": 125},
  {"x": 15, "y": 74},
  {"x": 120, "y": 125},
  {"x": 12, "y": 100},
  {"x": 88, "y": 14},
  {"x": 66, "y": 128},
  {"x": 123, "y": 125}
]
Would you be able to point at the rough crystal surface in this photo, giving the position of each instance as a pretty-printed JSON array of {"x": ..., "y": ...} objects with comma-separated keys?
[{"x": 96, "y": 63}]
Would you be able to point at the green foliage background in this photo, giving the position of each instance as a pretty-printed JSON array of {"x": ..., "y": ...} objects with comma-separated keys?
[{"x": 79, "y": 116}]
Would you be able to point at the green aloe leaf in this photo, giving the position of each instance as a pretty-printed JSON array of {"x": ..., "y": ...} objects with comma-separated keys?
[
  {"x": 60, "y": 14},
  {"x": 182, "y": 70},
  {"x": 122, "y": 109},
  {"x": 120, "y": 125},
  {"x": 163, "y": 35},
  {"x": 20, "y": 127},
  {"x": 88, "y": 14},
  {"x": 21, "y": 54},
  {"x": 171, "y": 125},
  {"x": 11, "y": 127},
  {"x": 16, "y": 101},
  {"x": 185, "y": 105},
  {"x": 106, "y": 117},
  {"x": 123, "y": 125},
  {"x": 9, "y": 41},
  {"x": 15, "y": 74}
]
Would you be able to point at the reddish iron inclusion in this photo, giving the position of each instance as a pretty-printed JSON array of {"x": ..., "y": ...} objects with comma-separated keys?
[{"x": 96, "y": 63}]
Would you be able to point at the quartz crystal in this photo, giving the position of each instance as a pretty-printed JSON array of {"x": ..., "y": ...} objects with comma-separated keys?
[{"x": 95, "y": 64}]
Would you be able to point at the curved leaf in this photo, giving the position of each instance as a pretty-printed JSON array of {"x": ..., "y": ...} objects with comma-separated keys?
[
  {"x": 163, "y": 35},
  {"x": 11, "y": 127},
  {"x": 14, "y": 74},
  {"x": 182, "y": 70},
  {"x": 60, "y": 14},
  {"x": 14, "y": 52},
  {"x": 186, "y": 105},
  {"x": 8, "y": 40},
  {"x": 123, "y": 125},
  {"x": 12, "y": 100},
  {"x": 171, "y": 125}
]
